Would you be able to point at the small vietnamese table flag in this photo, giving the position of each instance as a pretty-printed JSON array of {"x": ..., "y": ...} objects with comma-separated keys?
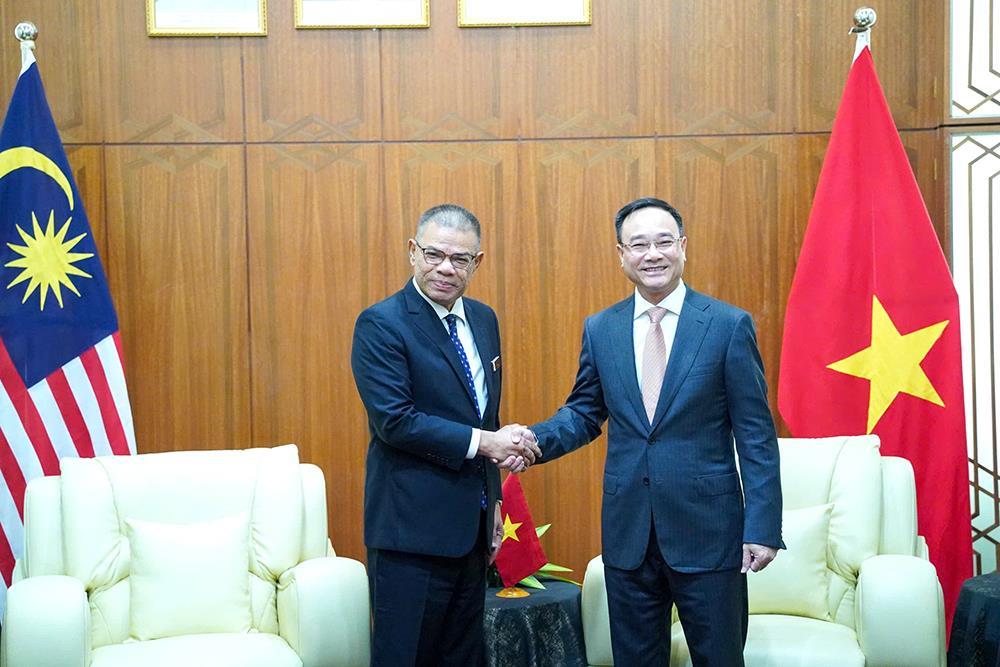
[
  {"x": 871, "y": 341},
  {"x": 520, "y": 552}
]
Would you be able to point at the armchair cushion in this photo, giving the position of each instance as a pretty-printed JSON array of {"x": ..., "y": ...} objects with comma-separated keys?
[
  {"x": 189, "y": 578},
  {"x": 797, "y": 581}
]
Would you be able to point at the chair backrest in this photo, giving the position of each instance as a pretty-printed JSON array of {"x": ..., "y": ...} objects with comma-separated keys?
[
  {"x": 874, "y": 507},
  {"x": 83, "y": 512}
]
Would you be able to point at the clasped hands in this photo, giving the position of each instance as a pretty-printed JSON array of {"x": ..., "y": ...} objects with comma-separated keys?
[{"x": 514, "y": 447}]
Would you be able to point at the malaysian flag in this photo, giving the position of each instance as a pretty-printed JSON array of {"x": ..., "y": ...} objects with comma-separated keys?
[{"x": 62, "y": 383}]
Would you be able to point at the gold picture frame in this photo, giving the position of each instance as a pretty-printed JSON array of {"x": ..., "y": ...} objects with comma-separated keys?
[
  {"x": 510, "y": 13},
  {"x": 361, "y": 14},
  {"x": 206, "y": 18}
]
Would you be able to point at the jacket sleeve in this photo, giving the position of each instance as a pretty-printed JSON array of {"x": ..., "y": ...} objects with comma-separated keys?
[
  {"x": 756, "y": 440},
  {"x": 579, "y": 420},
  {"x": 381, "y": 373}
]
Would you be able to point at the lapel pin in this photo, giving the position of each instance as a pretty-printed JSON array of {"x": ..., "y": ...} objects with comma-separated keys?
[{"x": 495, "y": 363}]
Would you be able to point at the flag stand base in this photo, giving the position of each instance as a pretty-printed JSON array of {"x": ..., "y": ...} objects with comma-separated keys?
[{"x": 512, "y": 592}]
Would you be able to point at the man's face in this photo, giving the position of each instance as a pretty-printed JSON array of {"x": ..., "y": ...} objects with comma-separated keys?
[
  {"x": 443, "y": 283},
  {"x": 652, "y": 252}
]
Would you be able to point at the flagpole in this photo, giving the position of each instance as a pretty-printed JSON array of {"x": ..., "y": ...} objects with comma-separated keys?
[
  {"x": 864, "y": 19},
  {"x": 26, "y": 33}
]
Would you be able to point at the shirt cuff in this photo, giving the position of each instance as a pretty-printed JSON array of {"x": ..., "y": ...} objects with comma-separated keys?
[{"x": 474, "y": 444}]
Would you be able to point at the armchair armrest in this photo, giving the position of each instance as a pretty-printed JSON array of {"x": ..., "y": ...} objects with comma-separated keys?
[
  {"x": 47, "y": 622},
  {"x": 323, "y": 612},
  {"x": 594, "y": 613},
  {"x": 899, "y": 613}
]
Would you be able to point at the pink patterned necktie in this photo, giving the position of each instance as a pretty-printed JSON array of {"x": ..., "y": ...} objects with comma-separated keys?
[{"x": 654, "y": 361}]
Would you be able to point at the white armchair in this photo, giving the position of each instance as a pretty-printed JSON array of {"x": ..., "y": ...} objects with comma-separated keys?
[
  {"x": 870, "y": 599},
  {"x": 214, "y": 558}
]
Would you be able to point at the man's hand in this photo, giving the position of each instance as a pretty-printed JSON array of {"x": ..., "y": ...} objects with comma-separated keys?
[
  {"x": 519, "y": 464},
  {"x": 756, "y": 557},
  {"x": 491, "y": 555},
  {"x": 509, "y": 444}
]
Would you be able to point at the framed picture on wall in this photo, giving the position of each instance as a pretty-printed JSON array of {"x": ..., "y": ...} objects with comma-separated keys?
[
  {"x": 206, "y": 18},
  {"x": 350, "y": 14},
  {"x": 498, "y": 13}
]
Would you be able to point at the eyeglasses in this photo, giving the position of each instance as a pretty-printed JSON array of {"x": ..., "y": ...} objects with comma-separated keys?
[
  {"x": 663, "y": 245},
  {"x": 433, "y": 256}
]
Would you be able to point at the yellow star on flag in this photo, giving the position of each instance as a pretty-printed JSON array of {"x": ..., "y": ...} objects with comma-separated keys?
[
  {"x": 509, "y": 529},
  {"x": 892, "y": 363}
]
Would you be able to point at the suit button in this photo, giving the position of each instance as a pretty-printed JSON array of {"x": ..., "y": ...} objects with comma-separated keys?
[
  {"x": 645, "y": 481},
  {"x": 650, "y": 440}
]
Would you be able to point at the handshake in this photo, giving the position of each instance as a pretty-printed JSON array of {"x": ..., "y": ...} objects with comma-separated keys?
[{"x": 513, "y": 447}]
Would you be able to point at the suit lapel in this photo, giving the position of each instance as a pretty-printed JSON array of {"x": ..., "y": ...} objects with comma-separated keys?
[
  {"x": 426, "y": 320},
  {"x": 622, "y": 329},
  {"x": 691, "y": 329},
  {"x": 483, "y": 339}
]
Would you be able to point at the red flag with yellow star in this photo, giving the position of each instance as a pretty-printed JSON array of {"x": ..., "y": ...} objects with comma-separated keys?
[
  {"x": 871, "y": 341},
  {"x": 520, "y": 552}
]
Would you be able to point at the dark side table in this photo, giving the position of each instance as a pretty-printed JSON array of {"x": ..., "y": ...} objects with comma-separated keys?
[
  {"x": 975, "y": 628},
  {"x": 541, "y": 630}
]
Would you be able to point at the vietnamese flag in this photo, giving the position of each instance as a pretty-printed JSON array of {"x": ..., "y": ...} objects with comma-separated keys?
[
  {"x": 871, "y": 341},
  {"x": 520, "y": 552}
]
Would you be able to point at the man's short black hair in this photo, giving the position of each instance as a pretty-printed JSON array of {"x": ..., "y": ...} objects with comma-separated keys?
[{"x": 645, "y": 202}]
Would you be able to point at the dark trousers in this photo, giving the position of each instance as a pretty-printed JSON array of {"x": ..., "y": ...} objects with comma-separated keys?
[
  {"x": 428, "y": 610},
  {"x": 712, "y": 607}
]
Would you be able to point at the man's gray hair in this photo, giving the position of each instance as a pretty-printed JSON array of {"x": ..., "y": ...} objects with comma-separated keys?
[{"x": 450, "y": 216}]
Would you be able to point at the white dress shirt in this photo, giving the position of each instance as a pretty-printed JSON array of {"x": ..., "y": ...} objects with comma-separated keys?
[
  {"x": 673, "y": 302},
  {"x": 471, "y": 353}
]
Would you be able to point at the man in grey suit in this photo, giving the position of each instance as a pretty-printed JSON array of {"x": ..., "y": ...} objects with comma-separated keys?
[{"x": 679, "y": 377}]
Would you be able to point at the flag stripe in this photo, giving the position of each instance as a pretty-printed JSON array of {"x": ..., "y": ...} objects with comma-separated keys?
[
  {"x": 13, "y": 476},
  {"x": 17, "y": 439},
  {"x": 12, "y": 540},
  {"x": 69, "y": 410},
  {"x": 105, "y": 402},
  {"x": 109, "y": 350},
  {"x": 30, "y": 421},
  {"x": 79, "y": 384}
]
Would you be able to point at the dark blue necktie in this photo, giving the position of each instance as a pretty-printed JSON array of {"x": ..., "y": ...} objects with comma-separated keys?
[{"x": 453, "y": 334}]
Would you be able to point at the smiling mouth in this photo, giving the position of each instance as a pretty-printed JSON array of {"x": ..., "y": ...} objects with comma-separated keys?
[{"x": 654, "y": 269}]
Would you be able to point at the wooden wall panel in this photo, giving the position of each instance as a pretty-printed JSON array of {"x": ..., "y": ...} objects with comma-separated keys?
[
  {"x": 908, "y": 45},
  {"x": 726, "y": 70},
  {"x": 482, "y": 177},
  {"x": 68, "y": 37},
  {"x": 317, "y": 258},
  {"x": 87, "y": 163},
  {"x": 737, "y": 196},
  {"x": 311, "y": 85},
  {"x": 177, "y": 268},
  {"x": 593, "y": 81},
  {"x": 566, "y": 268},
  {"x": 166, "y": 89},
  {"x": 447, "y": 82}
]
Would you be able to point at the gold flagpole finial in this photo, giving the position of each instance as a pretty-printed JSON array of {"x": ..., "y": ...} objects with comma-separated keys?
[
  {"x": 864, "y": 19},
  {"x": 26, "y": 31}
]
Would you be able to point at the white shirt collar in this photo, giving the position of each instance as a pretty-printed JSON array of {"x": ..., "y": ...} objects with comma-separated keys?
[
  {"x": 673, "y": 302},
  {"x": 458, "y": 309}
]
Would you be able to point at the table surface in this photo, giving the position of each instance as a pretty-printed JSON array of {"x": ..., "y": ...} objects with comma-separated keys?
[
  {"x": 975, "y": 629},
  {"x": 541, "y": 630}
]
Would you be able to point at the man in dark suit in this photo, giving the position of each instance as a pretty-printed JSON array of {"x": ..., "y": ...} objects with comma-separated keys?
[
  {"x": 679, "y": 377},
  {"x": 427, "y": 366}
]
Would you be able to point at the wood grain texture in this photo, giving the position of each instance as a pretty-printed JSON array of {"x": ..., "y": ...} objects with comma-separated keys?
[
  {"x": 908, "y": 45},
  {"x": 316, "y": 259},
  {"x": 87, "y": 163},
  {"x": 311, "y": 85},
  {"x": 726, "y": 70},
  {"x": 166, "y": 89},
  {"x": 177, "y": 268},
  {"x": 566, "y": 268},
  {"x": 593, "y": 81},
  {"x": 449, "y": 82},
  {"x": 68, "y": 38}
]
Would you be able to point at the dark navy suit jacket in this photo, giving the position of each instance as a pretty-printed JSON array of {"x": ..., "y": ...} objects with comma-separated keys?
[
  {"x": 422, "y": 495},
  {"x": 680, "y": 472}
]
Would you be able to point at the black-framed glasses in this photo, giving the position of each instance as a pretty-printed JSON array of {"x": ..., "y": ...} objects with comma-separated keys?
[
  {"x": 433, "y": 256},
  {"x": 666, "y": 244}
]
